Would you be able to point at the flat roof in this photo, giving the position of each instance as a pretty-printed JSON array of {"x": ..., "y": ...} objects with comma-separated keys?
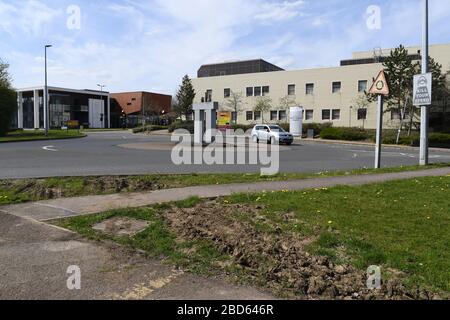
[{"x": 82, "y": 91}]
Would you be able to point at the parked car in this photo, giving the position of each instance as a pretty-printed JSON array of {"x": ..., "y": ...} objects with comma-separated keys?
[{"x": 271, "y": 134}]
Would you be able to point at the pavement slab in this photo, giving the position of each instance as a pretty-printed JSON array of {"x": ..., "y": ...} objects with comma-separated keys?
[{"x": 35, "y": 257}]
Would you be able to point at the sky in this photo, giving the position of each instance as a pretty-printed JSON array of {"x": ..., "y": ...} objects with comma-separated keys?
[{"x": 133, "y": 45}]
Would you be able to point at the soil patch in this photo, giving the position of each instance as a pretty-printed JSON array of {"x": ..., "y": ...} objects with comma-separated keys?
[
  {"x": 275, "y": 259},
  {"x": 122, "y": 226}
]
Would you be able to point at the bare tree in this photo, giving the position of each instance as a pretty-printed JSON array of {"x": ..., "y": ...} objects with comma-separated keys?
[
  {"x": 263, "y": 105},
  {"x": 234, "y": 103},
  {"x": 362, "y": 102},
  {"x": 287, "y": 102}
]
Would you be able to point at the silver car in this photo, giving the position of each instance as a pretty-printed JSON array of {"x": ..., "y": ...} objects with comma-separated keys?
[{"x": 271, "y": 134}]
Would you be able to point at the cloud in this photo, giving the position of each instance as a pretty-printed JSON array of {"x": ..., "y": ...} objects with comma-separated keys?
[
  {"x": 279, "y": 11},
  {"x": 150, "y": 45},
  {"x": 28, "y": 18}
]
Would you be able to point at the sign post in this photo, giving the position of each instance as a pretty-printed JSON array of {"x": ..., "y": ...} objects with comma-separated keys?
[
  {"x": 424, "y": 97},
  {"x": 379, "y": 87}
]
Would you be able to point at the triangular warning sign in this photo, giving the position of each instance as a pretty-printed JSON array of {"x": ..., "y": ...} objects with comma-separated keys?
[{"x": 380, "y": 85}]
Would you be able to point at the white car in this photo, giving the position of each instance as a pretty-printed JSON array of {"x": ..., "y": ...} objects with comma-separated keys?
[{"x": 271, "y": 134}]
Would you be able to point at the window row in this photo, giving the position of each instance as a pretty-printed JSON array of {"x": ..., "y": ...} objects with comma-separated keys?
[
  {"x": 335, "y": 87},
  {"x": 327, "y": 115},
  {"x": 258, "y": 91}
]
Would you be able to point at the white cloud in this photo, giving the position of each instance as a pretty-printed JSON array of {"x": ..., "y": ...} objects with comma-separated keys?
[
  {"x": 279, "y": 11},
  {"x": 28, "y": 17}
]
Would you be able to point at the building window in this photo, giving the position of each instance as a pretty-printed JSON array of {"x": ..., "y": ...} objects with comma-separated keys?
[
  {"x": 291, "y": 90},
  {"x": 336, "y": 114},
  {"x": 336, "y": 87},
  {"x": 257, "y": 115},
  {"x": 265, "y": 90},
  {"x": 273, "y": 115},
  {"x": 309, "y": 115},
  {"x": 310, "y": 88},
  {"x": 257, "y": 91},
  {"x": 208, "y": 96},
  {"x": 249, "y": 115},
  {"x": 249, "y": 91},
  {"x": 362, "y": 114},
  {"x": 362, "y": 86},
  {"x": 282, "y": 115},
  {"x": 226, "y": 93},
  {"x": 326, "y": 114},
  {"x": 395, "y": 115}
]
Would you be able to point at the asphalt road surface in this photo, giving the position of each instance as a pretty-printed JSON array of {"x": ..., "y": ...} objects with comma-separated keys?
[{"x": 122, "y": 153}]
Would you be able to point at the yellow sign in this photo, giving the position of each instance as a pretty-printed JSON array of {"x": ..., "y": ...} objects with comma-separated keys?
[
  {"x": 380, "y": 85},
  {"x": 73, "y": 124},
  {"x": 224, "y": 119}
]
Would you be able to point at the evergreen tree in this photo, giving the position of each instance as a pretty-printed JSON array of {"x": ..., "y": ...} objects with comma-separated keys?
[
  {"x": 8, "y": 99},
  {"x": 185, "y": 98}
]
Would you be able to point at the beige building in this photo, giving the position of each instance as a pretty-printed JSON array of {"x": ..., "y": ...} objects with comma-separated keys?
[{"x": 326, "y": 94}]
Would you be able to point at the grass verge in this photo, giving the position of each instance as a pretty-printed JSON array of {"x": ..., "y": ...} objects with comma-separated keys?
[
  {"x": 402, "y": 226},
  {"x": 24, "y": 190},
  {"x": 17, "y": 136}
]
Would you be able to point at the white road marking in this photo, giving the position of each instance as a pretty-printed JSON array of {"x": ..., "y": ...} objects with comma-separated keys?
[{"x": 49, "y": 148}]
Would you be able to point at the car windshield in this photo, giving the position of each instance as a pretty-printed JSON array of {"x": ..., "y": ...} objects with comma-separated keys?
[{"x": 276, "y": 129}]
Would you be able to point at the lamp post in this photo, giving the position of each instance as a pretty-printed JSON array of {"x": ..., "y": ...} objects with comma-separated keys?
[
  {"x": 424, "y": 154},
  {"x": 46, "y": 108},
  {"x": 101, "y": 98}
]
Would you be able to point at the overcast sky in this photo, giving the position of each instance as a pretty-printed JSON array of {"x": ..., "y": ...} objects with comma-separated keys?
[{"x": 133, "y": 45}]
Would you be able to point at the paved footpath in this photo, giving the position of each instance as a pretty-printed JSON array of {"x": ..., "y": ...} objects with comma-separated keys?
[
  {"x": 69, "y": 207},
  {"x": 34, "y": 256}
]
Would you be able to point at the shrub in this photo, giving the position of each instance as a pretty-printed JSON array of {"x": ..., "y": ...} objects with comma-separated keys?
[
  {"x": 243, "y": 127},
  {"x": 439, "y": 140},
  {"x": 187, "y": 125},
  {"x": 348, "y": 134},
  {"x": 149, "y": 128},
  {"x": 317, "y": 127}
]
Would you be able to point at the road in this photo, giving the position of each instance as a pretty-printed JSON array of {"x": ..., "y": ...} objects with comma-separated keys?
[{"x": 119, "y": 153}]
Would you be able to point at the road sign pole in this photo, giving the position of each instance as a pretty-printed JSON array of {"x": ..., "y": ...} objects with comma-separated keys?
[
  {"x": 424, "y": 126},
  {"x": 379, "y": 132}
]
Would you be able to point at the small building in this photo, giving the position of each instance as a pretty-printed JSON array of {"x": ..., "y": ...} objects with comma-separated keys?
[
  {"x": 89, "y": 107},
  {"x": 137, "y": 105}
]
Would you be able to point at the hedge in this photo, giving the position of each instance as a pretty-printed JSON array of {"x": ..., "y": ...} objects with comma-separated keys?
[
  {"x": 149, "y": 128},
  {"x": 187, "y": 125},
  {"x": 347, "y": 134}
]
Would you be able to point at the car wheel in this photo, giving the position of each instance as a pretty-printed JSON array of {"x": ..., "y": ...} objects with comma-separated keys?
[{"x": 255, "y": 139}]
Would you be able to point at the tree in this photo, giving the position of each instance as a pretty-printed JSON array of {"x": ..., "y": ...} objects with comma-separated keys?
[
  {"x": 8, "y": 99},
  {"x": 400, "y": 71},
  {"x": 263, "y": 105},
  {"x": 185, "y": 97},
  {"x": 234, "y": 103},
  {"x": 287, "y": 102},
  {"x": 362, "y": 102},
  {"x": 5, "y": 79}
]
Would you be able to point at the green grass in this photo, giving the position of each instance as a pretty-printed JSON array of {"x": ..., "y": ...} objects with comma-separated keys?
[
  {"x": 17, "y": 136},
  {"x": 157, "y": 241},
  {"x": 404, "y": 225},
  {"x": 25, "y": 190}
]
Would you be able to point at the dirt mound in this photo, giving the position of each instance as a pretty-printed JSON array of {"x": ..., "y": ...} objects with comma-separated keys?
[
  {"x": 42, "y": 189},
  {"x": 276, "y": 258}
]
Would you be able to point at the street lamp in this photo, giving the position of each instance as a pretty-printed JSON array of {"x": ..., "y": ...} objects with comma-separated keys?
[
  {"x": 101, "y": 86},
  {"x": 46, "y": 111}
]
